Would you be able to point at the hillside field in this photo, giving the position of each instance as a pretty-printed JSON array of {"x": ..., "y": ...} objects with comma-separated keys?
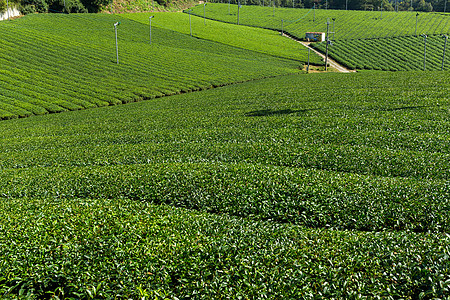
[
  {"x": 246, "y": 190},
  {"x": 370, "y": 40},
  {"x": 347, "y": 24},
  {"x": 76, "y": 65},
  {"x": 253, "y": 180}
]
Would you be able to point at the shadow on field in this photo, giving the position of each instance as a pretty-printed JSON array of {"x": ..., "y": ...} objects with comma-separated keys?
[
  {"x": 405, "y": 107},
  {"x": 269, "y": 112}
]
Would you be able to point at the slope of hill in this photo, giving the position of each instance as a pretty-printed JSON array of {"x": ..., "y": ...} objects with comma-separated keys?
[
  {"x": 361, "y": 40},
  {"x": 74, "y": 67},
  {"x": 347, "y": 24},
  {"x": 255, "y": 39},
  {"x": 391, "y": 54}
]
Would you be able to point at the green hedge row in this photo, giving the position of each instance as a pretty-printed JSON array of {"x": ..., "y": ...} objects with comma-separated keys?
[
  {"x": 306, "y": 197},
  {"x": 405, "y": 53},
  {"x": 122, "y": 249}
]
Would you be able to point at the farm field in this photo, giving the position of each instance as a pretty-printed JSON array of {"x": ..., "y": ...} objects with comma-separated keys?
[
  {"x": 255, "y": 39},
  {"x": 361, "y": 39},
  {"x": 256, "y": 189},
  {"x": 76, "y": 68},
  {"x": 347, "y": 25},
  {"x": 390, "y": 54}
]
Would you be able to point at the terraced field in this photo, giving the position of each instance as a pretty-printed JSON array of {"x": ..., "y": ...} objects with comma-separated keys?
[
  {"x": 252, "y": 190},
  {"x": 255, "y": 39},
  {"x": 76, "y": 68},
  {"x": 406, "y": 53},
  {"x": 361, "y": 40},
  {"x": 347, "y": 25}
]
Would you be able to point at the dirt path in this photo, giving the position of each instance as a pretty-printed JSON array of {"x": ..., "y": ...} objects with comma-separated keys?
[{"x": 332, "y": 62}]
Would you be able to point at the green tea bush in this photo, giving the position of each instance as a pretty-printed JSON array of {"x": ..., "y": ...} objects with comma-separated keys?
[{"x": 97, "y": 248}]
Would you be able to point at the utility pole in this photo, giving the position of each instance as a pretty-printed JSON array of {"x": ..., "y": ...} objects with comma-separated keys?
[
  {"x": 190, "y": 24},
  {"x": 239, "y": 6},
  {"x": 424, "y": 51},
  {"x": 417, "y": 15},
  {"x": 334, "y": 19},
  {"x": 314, "y": 9},
  {"x": 150, "y": 19},
  {"x": 443, "y": 55},
  {"x": 309, "y": 50},
  {"x": 326, "y": 49},
  {"x": 117, "y": 45},
  {"x": 204, "y": 19}
]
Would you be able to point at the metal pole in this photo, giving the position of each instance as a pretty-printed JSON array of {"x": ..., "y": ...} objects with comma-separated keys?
[
  {"x": 204, "y": 19},
  {"x": 326, "y": 4},
  {"x": 417, "y": 15},
  {"x": 309, "y": 50},
  {"x": 281, "y": 26},
  {"x": 150, "y": 19},
  {"x": 425, "y": 52},
  {"x": 7, "y": 8},
  {"x": 326, "y": 49},
  {"x": 346, "y": 1},
  {"x": 334, "y": 19},
  {"x": 239, "y": 6},
  {"x": 229, "y": 6},
  {"x": 443, "y": 55},
  {"x": 273, "y": 9},
  {"x": 117, "y": 45},
  {"x": 314, "y": 9},
  {"x": 445, "y": 5},
  {"x": 190, "y": 25}
]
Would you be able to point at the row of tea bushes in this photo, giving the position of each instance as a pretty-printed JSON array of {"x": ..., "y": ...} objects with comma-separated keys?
[
  {"x": 390, "y": 54},
  {"x": 122, "y": 249},
  {"x": 307, "y": 197},
  {"x": 46, "y": 70}
]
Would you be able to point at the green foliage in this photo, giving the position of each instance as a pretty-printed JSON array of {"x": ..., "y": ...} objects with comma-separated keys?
[
  {"x": 255, "y": 39},
  {"x": 348, "y": 24},
  {"x": 76, "y": 65},
  {"x": 83, "y": 194},
  {"x": 390, "y": 54},
  {"x": 103, "y": 249}
]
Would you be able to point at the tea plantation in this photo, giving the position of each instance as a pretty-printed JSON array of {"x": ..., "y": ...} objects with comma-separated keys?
[
  {"x": 405, "y": 53},
  {"x": 347, "y": 25},
  {"x": 371, "y": 40},
  {"x": 255, "y": 39},
  {"x": 305, "y": 186},
  {"x": 76, "y": 67}
]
